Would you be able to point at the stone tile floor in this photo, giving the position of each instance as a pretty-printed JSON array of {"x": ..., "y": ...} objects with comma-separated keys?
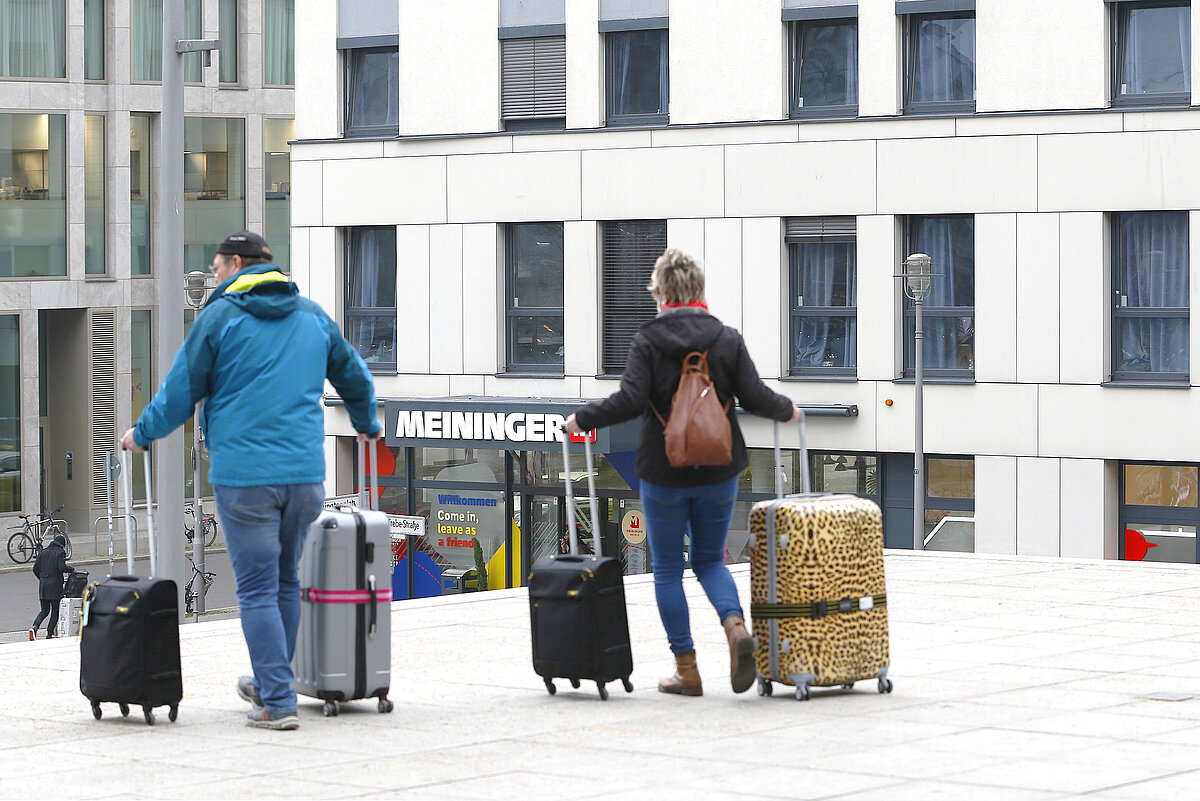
[{"x": 1016, "y": 678}]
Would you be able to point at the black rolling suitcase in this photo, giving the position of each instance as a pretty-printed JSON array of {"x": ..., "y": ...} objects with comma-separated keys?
[
  {"x": 129, "y": 632},
  {"x": 577, "y": 608}
]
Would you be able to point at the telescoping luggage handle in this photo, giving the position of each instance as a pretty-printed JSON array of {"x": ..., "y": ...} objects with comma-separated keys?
[
  {"x": 127, "y": 489},
  {"x": 591, "y": 479},
  {"x": 805, "y": 483},
  {"x": 368, "y": 491}
]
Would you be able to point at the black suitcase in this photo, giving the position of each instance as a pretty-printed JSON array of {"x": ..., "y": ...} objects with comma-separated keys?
[
  {"x": 75, "y": 584},
  {"x": 580, "y": 628},
  {"x": 129, "y": 632}
]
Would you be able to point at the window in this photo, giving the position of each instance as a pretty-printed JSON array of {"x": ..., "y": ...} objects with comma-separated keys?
[
  {"x": 636, "y": 77},
  {"x": 93, "y": 194},
  {"x": 93, "y": 40},
  {"x": 1159, "y": 514},
  {"x": 850, "y": 473},
  {"x": 214, "y": 186},
  {"x": 1152, "y": 53},
  {"x": 141, "y": 384},
  {"x": 629, "y": 249},
  {"x": 949, "y": 311},
  {"x": 33, "y": 197},
  {"x": 822, "y": 259},
  {"x": 950, "y": 504},
  {"x": 1150, "y": 296},
  {"x": 277, "y": 180},
  {"x": 824, "y": 67},
  {"x": 148, "y": 35},
  {"x": 939, "y": 66},
  {"x": 139, "y": 194},
  {"x": 10, "y": 413},
  {"x": 534, "y": 277},
  {"x": 228, "y": 33},
  {"x": 279, "y": 42},
  {"x": 371, "y": 294},
  {"x": 533, "y": 83},
  {"x": 372, "y": 91},
  {"x": 33, "y": 39}
]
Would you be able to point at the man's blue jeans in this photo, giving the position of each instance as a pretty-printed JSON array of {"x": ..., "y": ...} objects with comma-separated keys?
[
  {"x": 264, "y": 532},
  {"x": 670, "y": 512}
]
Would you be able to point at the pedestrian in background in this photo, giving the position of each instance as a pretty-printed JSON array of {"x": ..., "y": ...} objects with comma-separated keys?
[
  {"x": 676, "y": 499},
  {"x": 258, "y": 356},
  {"x": 50, "y": 567}
]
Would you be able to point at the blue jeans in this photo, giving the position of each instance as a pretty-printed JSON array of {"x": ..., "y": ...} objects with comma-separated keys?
[
  {"x": 670, "y": 511},
  {"x": 264, "y": 532}
]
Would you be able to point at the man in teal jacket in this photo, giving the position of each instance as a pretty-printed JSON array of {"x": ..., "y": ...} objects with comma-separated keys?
[{"x": 258, "y": 355}]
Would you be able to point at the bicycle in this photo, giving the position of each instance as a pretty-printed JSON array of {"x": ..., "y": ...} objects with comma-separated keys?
[
  {"x": 32, "y": 537},
  {"x": 190, "y": 594},
  {"x": 189, "y": 529}
]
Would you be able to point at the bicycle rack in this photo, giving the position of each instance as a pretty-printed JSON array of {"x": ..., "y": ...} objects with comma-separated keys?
[{"x": 112, "y": 519}]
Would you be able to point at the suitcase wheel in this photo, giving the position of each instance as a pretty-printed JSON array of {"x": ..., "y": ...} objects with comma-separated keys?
[
  {"x": 603, "y": 691},
  {"x": 385, "y": 705},
  {"x": 97, "y": 713},
  {"x": 124, "y": 710},
  {"x": 848, "y": 685},
  {"x": 330, "y": 709},
  {"x": 550, "y": 688},
  {"x": 627, "y": 684},
  {"x": 803, "y": 693},
  {"x": 148, "y": 713},
  {"x": 575, "y": 683},
  {"x": 174, "y": 713},
  {"x": 885, "y": 685},
  {"x": 765, "y": 687}
]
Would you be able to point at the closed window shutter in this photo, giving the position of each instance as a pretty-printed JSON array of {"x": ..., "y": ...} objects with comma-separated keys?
[
  {"x": 630, "y": 248},
  {"x": 800, "y": 229},
  {"x": 533, "y": 83},
  {"x": 104, "y": 400}
]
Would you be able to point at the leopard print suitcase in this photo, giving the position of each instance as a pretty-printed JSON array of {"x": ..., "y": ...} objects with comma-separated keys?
[{"x": 818, "y": 599}]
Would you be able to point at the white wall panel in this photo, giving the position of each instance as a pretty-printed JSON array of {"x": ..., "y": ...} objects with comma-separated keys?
[
  {"x": 878, "y": 58},
  {"x": 1038, "y": 302},
  {"x": 413, "y": 301},
  {"x": 764, "y": 320},
  {"x": 981, "y": 419},
  {"x": 1038, "y": 483},
  {"x": 688, "y": 235},
  {"x": 878, "y": 326},
  {"x": 318, "y": 72},
  {"x": 384, "y": 191},
  {"x": 482, "y": 299},
  {"x": 308, "y": 193},
  {"x": 800, "y": 179},
  {"x": 747, "y": 81},
  {"x": 1093, "y": 422},
  {"x": 449, "y": 67},
  {"x": 1066, "y": 39},
  {"x": 1084, "y": 523},
  {"x": 963, "y": 175},
  {"x": 412, "y": 385},
  {"x": 995, "y": 297},
  {"x": 581, "y": 284},
  {"x": 658, "y": 183},
  {"x": 585, "y": 76},
  {"x": 514, "y": 187},
  {"x": 533, "y": 387},
  {"x": 1083, "y": 266},
  {"x": 445, "y": 299},
  {"x": 301, "y": 266},
  {"x": 995, "y": 510},
  {"x": 723, "y": 279},
  {"x": 1119, "y": 171},
  {"x": 324, "y": 282}
]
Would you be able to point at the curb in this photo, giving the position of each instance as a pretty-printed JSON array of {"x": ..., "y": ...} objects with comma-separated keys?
[{"x": 98, "y": 560}]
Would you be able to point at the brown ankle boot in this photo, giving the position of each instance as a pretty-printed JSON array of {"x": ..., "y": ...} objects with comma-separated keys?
[
  {"x": 686, "y": 680},
  {"x": 741, "y": 654}
]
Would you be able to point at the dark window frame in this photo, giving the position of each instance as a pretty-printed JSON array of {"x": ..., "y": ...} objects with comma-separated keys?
[
  {"x": 351, "y": 74},
  {"x": 351, "y": 313},
  {"x": 530, "y": 123},
  {"x": 613, "y": 120},
  {"x": 795, "y": 35},
  {"x": 933, "y": 312},
  {"x": 1119, "y": 26},
  {"x": 1130, "y": 514},
  {"x": 609, "y": 337},
  {"x": 911, "y": 23},
  {"x": 513, "y": 312},
  {"x": 797, "y": 314}
]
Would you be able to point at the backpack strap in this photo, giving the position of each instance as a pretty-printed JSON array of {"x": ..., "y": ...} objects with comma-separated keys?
[{"x": 700, "y": 359}]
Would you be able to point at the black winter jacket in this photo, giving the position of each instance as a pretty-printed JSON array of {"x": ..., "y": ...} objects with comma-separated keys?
[
  {"x": 652, "y": 375},
  {"x": 50, "y": 567}
]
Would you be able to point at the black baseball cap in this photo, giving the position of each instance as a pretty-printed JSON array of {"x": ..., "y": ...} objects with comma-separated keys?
[{"x": 246, "y": 244}]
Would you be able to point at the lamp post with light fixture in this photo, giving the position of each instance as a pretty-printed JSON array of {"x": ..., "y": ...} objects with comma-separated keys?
[{"x": 918, "y": 278}]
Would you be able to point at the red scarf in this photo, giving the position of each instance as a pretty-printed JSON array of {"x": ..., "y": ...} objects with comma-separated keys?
[{"x": 695, "y": 304}]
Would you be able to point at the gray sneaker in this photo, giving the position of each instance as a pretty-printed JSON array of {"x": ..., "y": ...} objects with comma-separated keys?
[
  {"x": 263, "y": 718},
  {"x": 246, "y": 691}
]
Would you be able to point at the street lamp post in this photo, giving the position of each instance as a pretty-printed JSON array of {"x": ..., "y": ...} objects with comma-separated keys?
[
  {"x": 918, "y": 280},
  {"x": 196, "y": 291}
]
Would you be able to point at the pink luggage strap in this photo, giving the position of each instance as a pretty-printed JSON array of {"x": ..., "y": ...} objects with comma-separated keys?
[{"x": 317, "y": 596}]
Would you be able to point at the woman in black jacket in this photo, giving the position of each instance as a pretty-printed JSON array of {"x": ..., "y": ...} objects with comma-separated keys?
[
  {"x": 50, "y": 567},
  {"x": 697, "y": 500}
]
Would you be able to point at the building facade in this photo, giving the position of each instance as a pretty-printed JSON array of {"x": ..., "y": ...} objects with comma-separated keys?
[
  {"x": 80, "y": 98},
  {"x": 482, "y": 187}
]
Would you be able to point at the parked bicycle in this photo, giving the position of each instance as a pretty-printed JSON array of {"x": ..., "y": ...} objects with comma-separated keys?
[
  {"x": 189, "y": 526},
  {"x": 37, "y": 532},
  {"x": 190, "y": 593}
]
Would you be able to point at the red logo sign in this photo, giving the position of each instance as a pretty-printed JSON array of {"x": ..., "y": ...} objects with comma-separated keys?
[
  {"x": 1136, "y": 545},
  {"x": 590, "y": 436}
]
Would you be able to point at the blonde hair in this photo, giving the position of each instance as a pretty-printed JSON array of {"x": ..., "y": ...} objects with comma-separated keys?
[{"x": 677, "y": 278}]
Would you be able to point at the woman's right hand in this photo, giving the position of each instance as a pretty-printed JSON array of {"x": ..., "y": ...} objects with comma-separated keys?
[{"x": 795, "y": 414}]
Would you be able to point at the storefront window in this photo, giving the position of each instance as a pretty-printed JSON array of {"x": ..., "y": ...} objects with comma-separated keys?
[
  {"x": 141, "y": 384},
  {"x": 852, "y": 473},
  {"x": 93, "y": 191},
  {"x": 214, "y": 188},
  {"x": 471, "y": 465},
  {"x": 33, "y": 206},
  {"x": 1160, "y": 485},
  {"x": 277, "y": 182},
  {"x": 950, "y": 504},
  {"x": 1159, "y": 513},
  {"x": 10, "y": 413},
  {"x": 139, "y": 194}
]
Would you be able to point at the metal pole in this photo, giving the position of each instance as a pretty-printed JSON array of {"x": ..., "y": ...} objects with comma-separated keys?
[
  {"x": 919, "y": 437},
  {"x": 198, "y": 533},
  {"x": 110, "y": 464},
  {"x": 168, "y": 269}
]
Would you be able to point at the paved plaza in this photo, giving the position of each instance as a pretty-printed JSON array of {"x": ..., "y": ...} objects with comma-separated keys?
[{"x": 1016, "y": 678}]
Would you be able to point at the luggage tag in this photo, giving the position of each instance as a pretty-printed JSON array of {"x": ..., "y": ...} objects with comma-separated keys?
[{"x": 87, "y": 608}]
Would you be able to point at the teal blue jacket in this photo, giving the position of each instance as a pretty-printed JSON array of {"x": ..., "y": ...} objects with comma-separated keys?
[{"x": 258, "y": 355}]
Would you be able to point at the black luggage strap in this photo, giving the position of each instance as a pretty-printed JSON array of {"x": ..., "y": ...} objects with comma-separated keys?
[{"x": 818, "y": 610}]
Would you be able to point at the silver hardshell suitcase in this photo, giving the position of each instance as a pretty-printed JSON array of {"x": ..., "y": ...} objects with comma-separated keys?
[{"x": 344, "y": 644}]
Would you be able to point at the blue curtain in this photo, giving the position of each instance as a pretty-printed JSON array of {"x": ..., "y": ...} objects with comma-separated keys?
[
  {"x": 825, "y": 274},
  {"x": 945, "y": 60},
  {"x": 1157, "y": 52},
  {"x": 829, "y": 65},
  {"x": 949, "y": 337},
  {"x": 1153, "y": 264}
]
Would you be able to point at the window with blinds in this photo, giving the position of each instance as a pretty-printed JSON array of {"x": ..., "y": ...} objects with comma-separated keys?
[
  {"x": 533, "y": 83},
  {"x": 629, "y": 248},
  {"x": 822, "y": 266}
]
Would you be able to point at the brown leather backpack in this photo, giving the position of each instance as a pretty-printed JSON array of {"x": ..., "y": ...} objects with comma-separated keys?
[{"x": 698, "y": 433}]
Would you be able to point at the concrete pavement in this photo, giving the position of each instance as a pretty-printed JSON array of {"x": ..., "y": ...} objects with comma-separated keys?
[{"x": 1016, "y": 678}]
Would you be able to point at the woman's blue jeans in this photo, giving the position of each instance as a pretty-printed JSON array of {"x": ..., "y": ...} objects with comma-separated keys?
[
  {"x": 670, "y": 513},
  {"x": 264, "y": 531}
]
